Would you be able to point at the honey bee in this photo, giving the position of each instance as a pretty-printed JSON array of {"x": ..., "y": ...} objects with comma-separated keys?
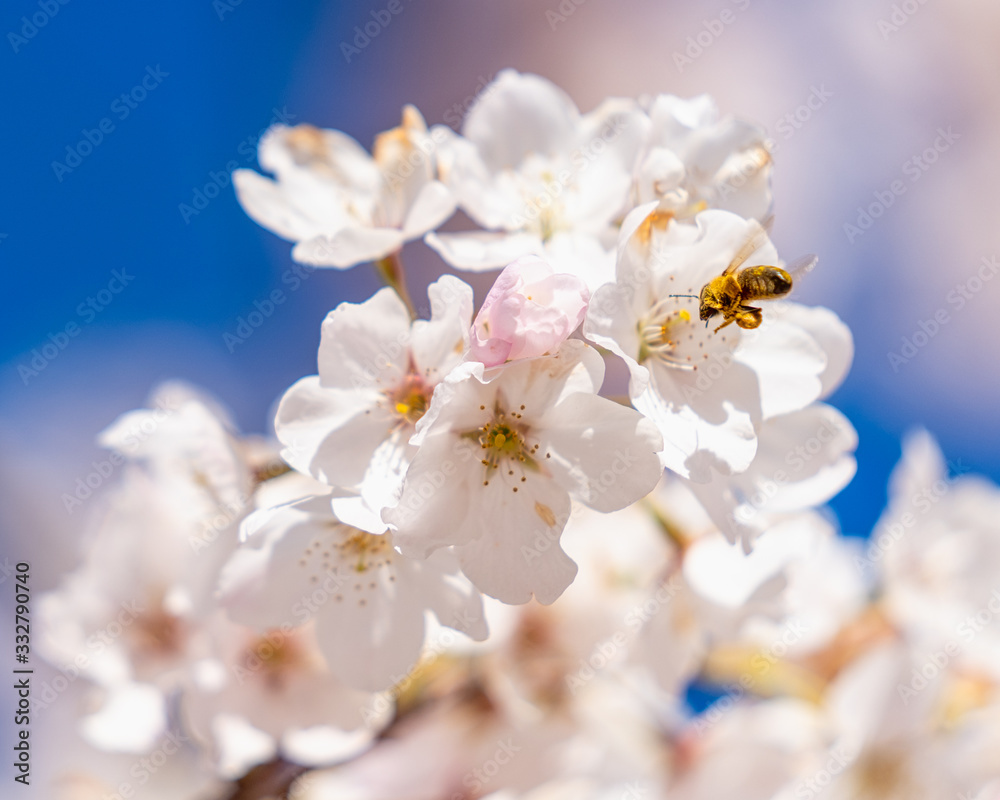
[{"x": 731, "y": 293}]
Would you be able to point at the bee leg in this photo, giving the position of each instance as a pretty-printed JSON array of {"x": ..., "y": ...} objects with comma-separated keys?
[{"x": 729, "y": 321}]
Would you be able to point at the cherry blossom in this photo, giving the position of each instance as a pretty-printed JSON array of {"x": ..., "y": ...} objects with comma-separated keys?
[
  {"x": 339, "y": 204},
  {"x": 708, "y": 390},
  {"x": 300, "y": 562},
  {"x": 350, "y": 426},
  {"x": 694, "y": 159},
  {"x": 540, "y": 177},
  {"x": 502, "y": 452}
]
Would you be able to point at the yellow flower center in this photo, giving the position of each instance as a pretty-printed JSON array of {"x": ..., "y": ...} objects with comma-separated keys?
[
  {"x": 667, "y": 335},
  {"x": 411, "y": 398},
  {"x": 363, "y": 546},
  {"x": 507, "y": 450}
]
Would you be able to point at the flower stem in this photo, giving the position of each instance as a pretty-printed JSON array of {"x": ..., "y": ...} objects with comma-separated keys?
[
  {"x": 390, "y": 271},
  {"x": 667, "y": 525}
]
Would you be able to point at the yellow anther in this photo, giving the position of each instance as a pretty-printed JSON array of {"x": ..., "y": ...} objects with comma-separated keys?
[
  {"x": 402, "y": 409},
  {"x": 685, "y": 315}
]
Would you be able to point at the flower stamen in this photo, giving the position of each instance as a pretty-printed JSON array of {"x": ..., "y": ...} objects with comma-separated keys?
[{"x": 656, "y": 335}]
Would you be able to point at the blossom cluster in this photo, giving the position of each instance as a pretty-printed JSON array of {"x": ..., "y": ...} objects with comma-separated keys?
[{"x": 467, "y": 566}]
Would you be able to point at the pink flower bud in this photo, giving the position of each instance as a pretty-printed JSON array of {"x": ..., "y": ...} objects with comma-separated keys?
[{"x": 529, "y": 311}]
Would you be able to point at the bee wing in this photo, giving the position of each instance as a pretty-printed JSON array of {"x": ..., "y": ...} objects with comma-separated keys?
[
  {"x": 800, "y": 266},
  {"x": 756, "y": 238}
]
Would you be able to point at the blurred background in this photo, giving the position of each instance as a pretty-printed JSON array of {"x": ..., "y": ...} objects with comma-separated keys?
[{"x": 860, "y": 99}]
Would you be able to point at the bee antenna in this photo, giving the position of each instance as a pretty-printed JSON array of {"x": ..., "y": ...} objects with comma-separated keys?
[{"x": 683, "y": 295}]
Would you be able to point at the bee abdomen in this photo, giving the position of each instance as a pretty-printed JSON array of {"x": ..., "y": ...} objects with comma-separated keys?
[{"x": 764, "y": 282}]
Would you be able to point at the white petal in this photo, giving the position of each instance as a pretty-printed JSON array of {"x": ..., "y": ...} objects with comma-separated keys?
[
  {"x": 922, "y": 465},
  {"x": 290, "y": 152},
  {"x": 455, "y": 602},
  {"x": 517, "y": 554},
  {"x": 331, "y": 434},
  {"x": 372, "y": 646},
  {"x": 788, "y": 363},
  {"x": 583, "y": 256},
  {"x": 490, "y": 200},
  {"x": 263, "y": 585},
  {"x": 518, "y": 115},
  {"x": 439, "y": 345},
  {"x": 701, "y": 420},
  {"x": 480, "y": 251},
  {"x": 812, "y": 450},
  {"x": 383, "y": 481},
  {"x": 363, "y": 345},
  {"x": 266, "y": 202},
  {"x": 605, "y": 454},
  {"x": 434, "y": 506},
  {"x": 432, "y": 206},
  {"x": 353, "y": 510},
  {"x": 622, "y": 125},
  {"x": 132, "y": 720},
  {"x": 541, "y": 382},
  {"x": 348, "y": 247},
  {"x": 831, "y": 334}
]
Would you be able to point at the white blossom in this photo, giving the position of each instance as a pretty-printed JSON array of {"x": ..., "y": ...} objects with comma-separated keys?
[
  {"x": 501, "y": 454},
  {"x": 709, "y": 391},
  {"x": 693, "y": 159},
  {"x": 340, "y": 205},
  {"x": 540, "y": 177},
  {"x": 350, "y": 426},
  {"x": 300, "y": 562}
]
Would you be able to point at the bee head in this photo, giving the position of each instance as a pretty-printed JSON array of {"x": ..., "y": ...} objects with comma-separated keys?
[{"x": 705, "y": 310}]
